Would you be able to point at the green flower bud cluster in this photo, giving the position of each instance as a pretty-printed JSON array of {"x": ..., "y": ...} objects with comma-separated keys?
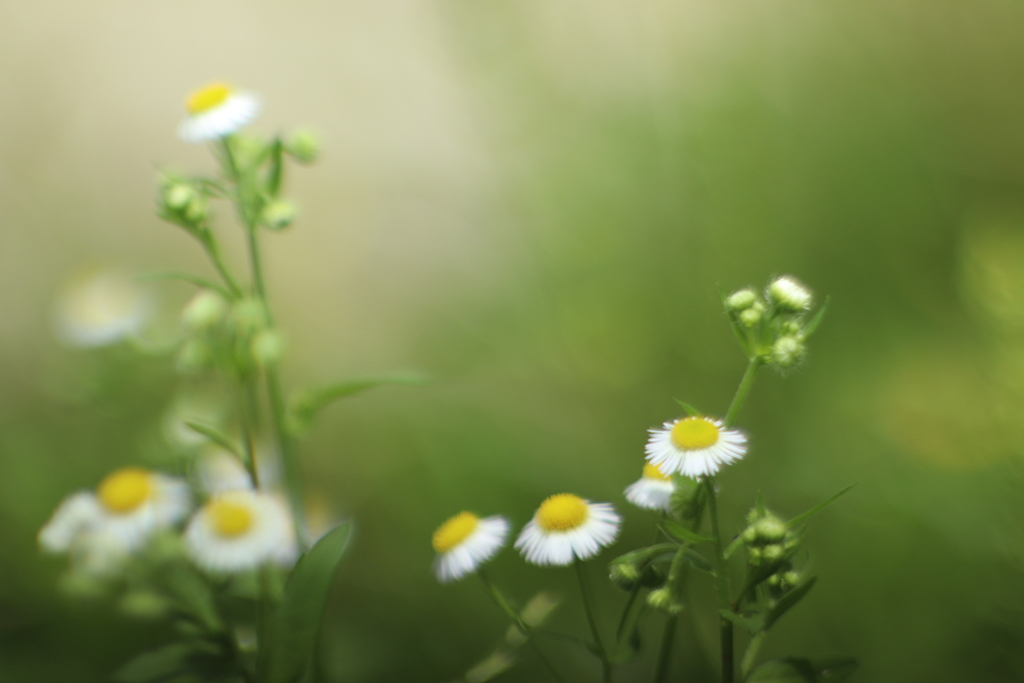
[
  {"x": 773, "y": 325},
  {"x": 184, "y": 203},
  {"x": 769, "y": 542},
  {"x": 235, "y": 337},
  {"x": 662, "y": 599}
]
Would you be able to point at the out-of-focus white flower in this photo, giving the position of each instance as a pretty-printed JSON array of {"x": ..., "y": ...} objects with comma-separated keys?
[
  {"x": 215, "y": 111},
  {"x": 789, "y": 294},
  {"x": 101, "y": 308},
  {"x": 465, "y": 542},
  {"x": 694, "y": 446},
  {"x": 240, "y": 530},
  {"x": 652, "y": 491},
  {"x": 128, "y": 506},
  {"x": 567, "y": 527},
  {"x": 217, "y": 471}
]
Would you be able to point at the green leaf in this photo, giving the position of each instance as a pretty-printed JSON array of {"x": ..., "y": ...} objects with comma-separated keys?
[
  {"x": 217, "y": 437},
  {"x": 698, "y": 561},
  {"x": 804, "y": 670},
  {"x": 788, "y": 601},
  {"x": 817, "y": 508},
  {"x": 813, "y": 323},
  {"x": 733, "y": 547},
  {"x": 306, "y": 403},
  {"x": 683, "y": 534},
  {"x": 276, "y": 168},
  {"x": 753, "y": 622},
  {"x": 171, "y": 662},
  {"x": 690, "y": 410},
  {"x": 296, "y": 622},
  {"x": 186, "y": 277}
]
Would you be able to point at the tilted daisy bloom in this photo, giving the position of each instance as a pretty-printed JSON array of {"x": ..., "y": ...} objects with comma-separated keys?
[
  {"x": 101, "y": 308},
  {"x": 694, "y": 446},
  {"x": 128, "y": 506},
  {"x": 215, "y": 111},
  {"x": 567, "y": 527},
  {"x": 240, "y": 530},
  {"x": 465, "y": 542},
  {"x": 652, "y": 491}
]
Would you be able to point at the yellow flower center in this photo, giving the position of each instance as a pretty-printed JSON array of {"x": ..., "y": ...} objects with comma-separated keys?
[
  {"x": 125, "y": 490},
  {"x": 562, "y": 512},
  {"x": 207, "y": 98},
  {"x": 692, "y": 433},
  {"x": 229, "y": 518},
  {"x": 453, "y": 532},
  {"x": 652, "y": 472}
]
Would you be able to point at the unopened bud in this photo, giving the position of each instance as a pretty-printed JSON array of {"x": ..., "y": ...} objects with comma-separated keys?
[
  {"x": 787, "y": 352},
  {"x": 179, "y": 195},
  {"x": 249, "y": 315},
  {"x": 662, "y": 599},
  {"x": 774, "y": 580},
  {"x": 197, "y": 210},
  {"x": 741, "y": 300},
  {"x": 754, "y": 555},
  {"x": 304, "y": 145},
  {"x": 752, "y": 316},
  {"x": 790, "y": 579},
  {"x": 773, "y": 553},
  {"x": 624, "y": 575},
  {"x": 769, "y": 529},
  {"x": 204, "y": 310},
  {"x": 789, "y": 295},
  {"x": 279, "y": 214},
  {"x": 268, "y": 347}
]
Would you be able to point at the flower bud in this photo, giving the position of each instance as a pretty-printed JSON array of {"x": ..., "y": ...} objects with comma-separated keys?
[
  {"x": 624, "y": 575},
  {"x": 279, "y": 214},
  {"x": 662, "y": 599},
  {"x": 787, "y": 352},
  {"x": 791, "y": 328},
  {"x": 197, "y": 210},
  {"x": 789, "y": 295},
  {"x": 773, "y": 553},
  {"x": 179, "y": 195},
  {"x": 741, "y": 300},
  {"x": 769, "y": 529},
  {"x": 304, "y": 145},
  {"x": 204, "y": 310},
  {"x": 752, "y": 316},
  {"x": 268, "y": 347},
  {"x": 248, "y": 316},
  {"x": 754, "y": 555},
  {"x": 774, "y": 581},
  {"x": 790, "y": 579}
]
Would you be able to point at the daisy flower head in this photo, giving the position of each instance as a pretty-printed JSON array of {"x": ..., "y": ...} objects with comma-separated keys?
[
  {"x": 566, "y": 528},
  {"x": 127, "y": 507},
  {"x": 464, "y": 542},
  {"x": 694, "y": 446},
  {"x": 652, "y": 491},
  {"x": 239, "y": 530},
  {"x": 215, "y": 111},
  {"x": 101, "y": 308}
]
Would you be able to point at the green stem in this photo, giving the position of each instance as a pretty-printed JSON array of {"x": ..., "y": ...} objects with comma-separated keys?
[
  {"x": 665, "y": 651},
  {"x": 744, "y": 389},
  {"x": 721, "y": 585},
  {"x": 518, "y": 622},
  {"x": 606, "y": 665},
  {"x": 750, "y": 656},
  {"x": 213, "y": 251}
]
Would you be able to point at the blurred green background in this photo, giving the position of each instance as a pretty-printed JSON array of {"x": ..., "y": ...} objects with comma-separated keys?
[{"x": 535, "y": 203}]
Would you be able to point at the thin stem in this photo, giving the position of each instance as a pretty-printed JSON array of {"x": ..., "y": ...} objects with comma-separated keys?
[
  {"x": 721, "y": 585},
  {"x": 606, "y": 665},
  {"x": 518, "y": 622},
  {"x": 665, "y": 650},
  {"x": 744, "y": 389},
  {"x": 750, "y": 656},
  {"x": 213, "y": 251}
]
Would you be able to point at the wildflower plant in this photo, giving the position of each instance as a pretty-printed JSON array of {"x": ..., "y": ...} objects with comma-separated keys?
[
  {"x": 678, "y": 480},
  {"x": 220, "y": 548}
]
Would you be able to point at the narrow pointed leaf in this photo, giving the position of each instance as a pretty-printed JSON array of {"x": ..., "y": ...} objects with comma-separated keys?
[
  {"x": 682, "y": 533},
  {"x": 753, "y": 623},
  {"x": 817, "y": 508},
  {"x": 813, "y": 323},
  {"x": 296, "y": 622},
  {"x": 186, "y": 277},
  {"x": 218, "y": 437},
  {"x": 306, "y": 403},
  {"x": 276, "y": 168},
  {"x": 788, "y": 601},
  {"x": 690, "y": 410},
  {"x": 698, "y": 561}
]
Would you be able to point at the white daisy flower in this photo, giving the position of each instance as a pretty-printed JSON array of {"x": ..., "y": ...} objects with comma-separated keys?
[
  {"x": 101, "y": 308},
  {"x": 465, "y": 542},
  {"x": 128, "y": 506},
  {"x": 652, "y": 491},
  {"x": 694, "y": 446},
  {"x": 240, "y": 530},
  {"x": 215, "y": 111},
  {"x": 567, "y": 527}
]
